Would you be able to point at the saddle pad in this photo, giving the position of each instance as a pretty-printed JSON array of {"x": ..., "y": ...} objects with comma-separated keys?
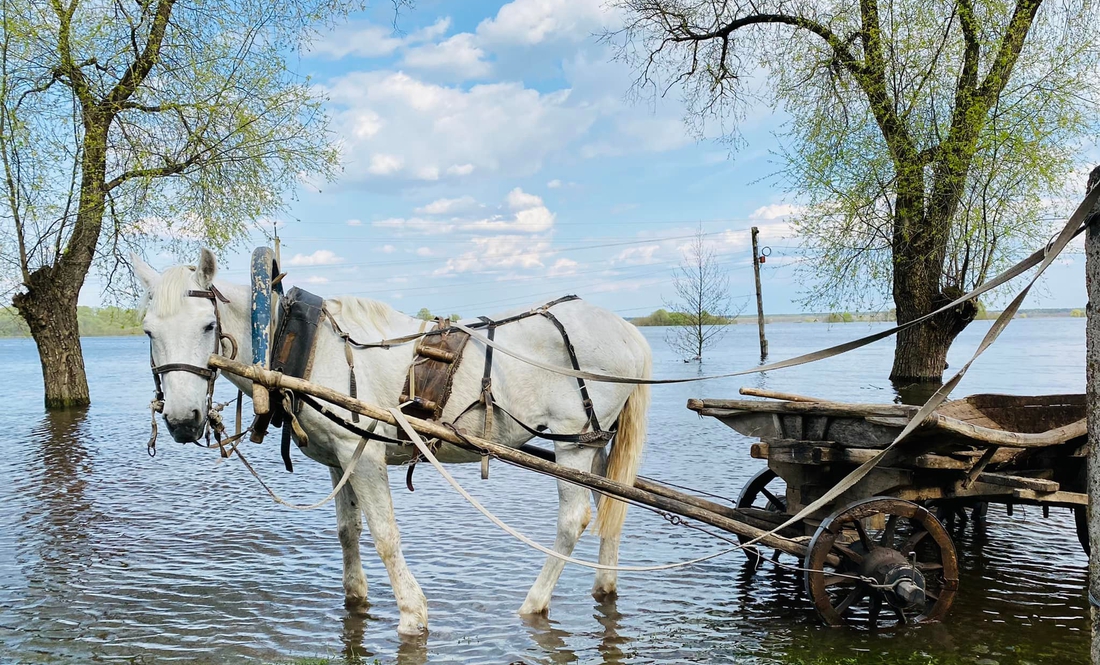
[{"x": 428, "y": 383}]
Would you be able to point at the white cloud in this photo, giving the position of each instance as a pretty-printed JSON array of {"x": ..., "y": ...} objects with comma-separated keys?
[
  {"x": 563, "y": 267},
  {"x": 775, "y": 211},
  {"x": 531, "y": 22},
  {"x": 396, "y": 280},
  {"x": 496, "y": 252},
  {"x": 355, "y": 222},
  {"x": 322, "y": 257},
  {"x": 424, "y": 251},
  {"x": 416, "y": 224},
  {"x": 448, "y": 206},
  {"x": 637, "y": 255},
  {"x": 388, "y": 249},
  {"x": 521, "y": 200},
  {"x": 458, "y": 55},
  {"x": 316, "y": 279},
  {"x": 366, "y": 40},
  {"x": 416, "y": 130},
  {"x": 383, "y": 164},
  {"x": 553, "y": 184}
]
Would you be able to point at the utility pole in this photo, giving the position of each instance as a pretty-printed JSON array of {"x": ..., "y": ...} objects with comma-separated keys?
[
  {"x": 1092, "y": 391},
  {"x": 759, "y": 298}
]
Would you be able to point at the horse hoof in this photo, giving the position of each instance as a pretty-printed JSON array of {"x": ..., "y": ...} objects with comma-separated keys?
[
  {"x": 602, "y": 594},
  {"x": 411, "y": 628},
  {"x": 530, "y": 608}
]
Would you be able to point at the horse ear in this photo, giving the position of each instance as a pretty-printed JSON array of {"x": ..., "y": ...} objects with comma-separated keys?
[
  {"x": 208, "y": 267},
  {"x": 144, "y": 271}
]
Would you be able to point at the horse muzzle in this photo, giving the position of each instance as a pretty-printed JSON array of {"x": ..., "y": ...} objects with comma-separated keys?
[{"x": 188, "y": 429}]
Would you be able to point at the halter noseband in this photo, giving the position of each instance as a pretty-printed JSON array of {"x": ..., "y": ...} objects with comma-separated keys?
[{"x": 213, "y": 295}]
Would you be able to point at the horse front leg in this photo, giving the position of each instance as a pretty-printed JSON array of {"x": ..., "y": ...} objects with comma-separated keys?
[
  {"x": 349, "y": 526},
  {"x": 574, "y": 513},
  {"x": 371, "y": 484}
]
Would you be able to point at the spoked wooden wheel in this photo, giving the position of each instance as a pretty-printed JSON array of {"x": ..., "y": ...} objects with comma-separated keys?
[
  {"x": 767, "y": 492},
  {"x": 894, "y": 564}
]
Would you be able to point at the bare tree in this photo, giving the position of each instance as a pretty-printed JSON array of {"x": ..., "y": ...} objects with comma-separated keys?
[{"x": 703, "y": 308}]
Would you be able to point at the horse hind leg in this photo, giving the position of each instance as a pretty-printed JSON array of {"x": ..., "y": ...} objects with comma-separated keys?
[
  {"x": 574, "y": 513},
  {"x": 372, "y": 489},
  {"x": 349, "y": 527}
]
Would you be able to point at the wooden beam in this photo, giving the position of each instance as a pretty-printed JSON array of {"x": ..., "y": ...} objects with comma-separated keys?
[
  {"x": 583, "y": 478},
  {"x": 1021, "y": 482},
  {"x": 1054, "y": 498}
]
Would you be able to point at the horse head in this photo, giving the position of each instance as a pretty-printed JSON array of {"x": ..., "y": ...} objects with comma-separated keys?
[{"x": 182, "y": 321}]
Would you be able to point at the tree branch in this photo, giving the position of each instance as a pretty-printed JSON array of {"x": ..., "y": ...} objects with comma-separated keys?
[{"x": 139, "y": 69}]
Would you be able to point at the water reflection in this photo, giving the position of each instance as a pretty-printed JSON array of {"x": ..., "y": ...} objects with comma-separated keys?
[
  {"x": 57, "y": 476},
  {"x": 550, "y": 638},
  {"x": 915, "y": 394}
]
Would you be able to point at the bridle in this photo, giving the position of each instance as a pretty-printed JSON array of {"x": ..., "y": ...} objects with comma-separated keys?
[{"x": 157, "y": 405}]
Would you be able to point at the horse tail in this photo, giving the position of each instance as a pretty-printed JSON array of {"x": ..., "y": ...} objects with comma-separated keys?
[{"x": 626, "y": 454}]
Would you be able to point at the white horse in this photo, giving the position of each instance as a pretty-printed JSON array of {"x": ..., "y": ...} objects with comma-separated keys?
[{"x": 181, "y": 329}]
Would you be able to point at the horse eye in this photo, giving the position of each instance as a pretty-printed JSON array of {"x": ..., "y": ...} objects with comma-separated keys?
[{"x": 209, "y": 327}]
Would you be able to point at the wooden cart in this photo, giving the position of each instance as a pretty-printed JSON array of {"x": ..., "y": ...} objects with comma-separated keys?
[
  {"x": 890, "y": 525},
  {"x": 879, "y": 553}
]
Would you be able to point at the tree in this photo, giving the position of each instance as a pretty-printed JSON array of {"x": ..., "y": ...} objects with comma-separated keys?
[
  {"x": 126, "y": 125},
  {"x": 702, "y": 299},
  {"x": 424, "y": 314},
  {"x": 927, "y": 140}
]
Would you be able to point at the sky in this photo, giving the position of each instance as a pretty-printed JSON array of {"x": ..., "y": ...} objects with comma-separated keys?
[{"x": 494, "y": 158}]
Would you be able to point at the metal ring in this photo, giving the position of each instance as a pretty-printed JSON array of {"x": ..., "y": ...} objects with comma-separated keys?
[{"x": 765, "y": 251}]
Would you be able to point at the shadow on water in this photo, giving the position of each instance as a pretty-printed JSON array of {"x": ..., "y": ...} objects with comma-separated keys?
[{"x": 59, "y": 484}]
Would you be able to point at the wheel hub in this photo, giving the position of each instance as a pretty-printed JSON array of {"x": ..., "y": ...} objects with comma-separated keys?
[{"x": 902, "y": 584}]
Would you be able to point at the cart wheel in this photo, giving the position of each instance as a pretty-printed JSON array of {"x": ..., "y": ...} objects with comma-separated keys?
[
  {"x": 767, "y": 492},
  {"x": 905, "y": 572}
]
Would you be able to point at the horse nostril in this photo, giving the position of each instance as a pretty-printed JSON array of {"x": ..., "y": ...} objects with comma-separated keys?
[{"x": 197, "y": 416}]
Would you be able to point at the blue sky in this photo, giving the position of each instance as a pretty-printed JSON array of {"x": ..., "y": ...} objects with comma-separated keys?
[{"x": 494, "y": 159}]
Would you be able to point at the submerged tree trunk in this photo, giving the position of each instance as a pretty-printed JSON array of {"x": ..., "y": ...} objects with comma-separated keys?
[
  {"x": 920, "y": 353},
  {"x": 50, "y": 312}
]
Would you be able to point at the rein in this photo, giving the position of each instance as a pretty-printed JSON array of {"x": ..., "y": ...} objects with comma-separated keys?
[{"x": 213, "y": 415}]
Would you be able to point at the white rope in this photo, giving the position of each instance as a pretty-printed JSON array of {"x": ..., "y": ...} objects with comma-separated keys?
[
  {"x": 335, "y": 490},
  {"x": 427, "y": 453}
]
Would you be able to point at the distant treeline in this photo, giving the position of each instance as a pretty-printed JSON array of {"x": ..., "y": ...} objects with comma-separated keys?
[
  {"x": 93, "y": 321},
  {"x": 663, "y": 317}
]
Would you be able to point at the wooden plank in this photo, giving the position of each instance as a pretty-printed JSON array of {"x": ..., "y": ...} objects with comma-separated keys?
[
  {"x": 1015, "y": 439},
  {"x": 1021, "y": 482},
  {"x": 772, "y": 394},
  {"x": 726, "y": 407},
  {"x": 759, "y": 451},
  {"x": 1055, "y": 498},
  {"x": 804, "y": 452}
]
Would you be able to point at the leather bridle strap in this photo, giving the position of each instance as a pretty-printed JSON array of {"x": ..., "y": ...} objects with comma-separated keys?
[{"x": 214, "y": 296}]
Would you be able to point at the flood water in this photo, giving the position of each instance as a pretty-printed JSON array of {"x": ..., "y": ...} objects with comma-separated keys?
[{"x": 109, "y": 555}]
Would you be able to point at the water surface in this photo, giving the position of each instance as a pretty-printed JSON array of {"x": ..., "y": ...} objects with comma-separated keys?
[{"x": 108, "y": 555}]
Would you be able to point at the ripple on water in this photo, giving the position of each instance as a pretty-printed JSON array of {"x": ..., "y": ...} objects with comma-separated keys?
[{"x": 108, "y": 555}]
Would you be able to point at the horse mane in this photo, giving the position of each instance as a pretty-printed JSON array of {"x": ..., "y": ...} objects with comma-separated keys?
[
  {"x": 363, "y": 312},
  {"x": 167, "y": 297}
]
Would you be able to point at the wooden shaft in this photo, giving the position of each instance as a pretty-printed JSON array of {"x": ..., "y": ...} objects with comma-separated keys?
[
  {"x": 583, "y": 478},
  {"x": 773, "y": 394},
  {"x": 759, "y": 297}
]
